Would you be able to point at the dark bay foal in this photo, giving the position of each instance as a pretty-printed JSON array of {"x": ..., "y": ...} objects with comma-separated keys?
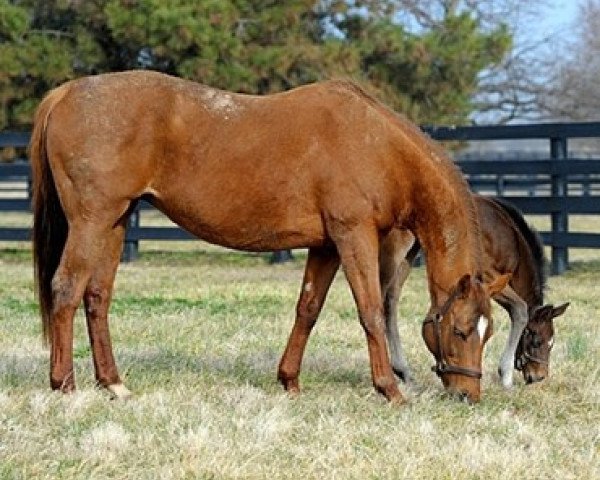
[{"x": 512, "y": 247}]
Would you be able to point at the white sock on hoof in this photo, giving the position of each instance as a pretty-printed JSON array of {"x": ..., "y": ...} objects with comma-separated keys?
[{"x": 119, "y": 391}]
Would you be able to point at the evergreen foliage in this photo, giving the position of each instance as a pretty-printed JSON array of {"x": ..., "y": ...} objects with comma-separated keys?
[{"x": 252, "y": 46}]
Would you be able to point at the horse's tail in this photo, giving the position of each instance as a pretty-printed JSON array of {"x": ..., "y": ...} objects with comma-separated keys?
[{"x": 49, "y": 222}]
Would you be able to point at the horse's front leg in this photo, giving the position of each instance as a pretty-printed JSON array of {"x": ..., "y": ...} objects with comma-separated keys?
[
  {"x": 321, "y": 266},
  {"x": 517, "y": 309},
  {"x": 359, "y": 251}
]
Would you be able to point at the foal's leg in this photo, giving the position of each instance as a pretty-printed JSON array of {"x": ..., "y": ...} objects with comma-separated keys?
[
  {"x": 321, "y": 266},
  {"x": 97, "y": 298},
  {"x": 390, "y": 306},
  {"x": 359, "y": 251},
  {"x": 517, "y": 309},
  {"x": 395, "y": 260},
  {"x": 83, "y": 250}
]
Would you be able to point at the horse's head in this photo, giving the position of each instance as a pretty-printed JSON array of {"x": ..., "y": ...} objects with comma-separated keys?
[
  {"x": 456, "y": 333},
  {"x": 533, "y": 351}
]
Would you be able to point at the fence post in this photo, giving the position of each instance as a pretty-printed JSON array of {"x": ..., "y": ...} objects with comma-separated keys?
[
  {"x": 500, "y": 186},
  {"x": 560, "y": 218},
  {"x": 130, "y": 248},
  {"x": 281, "y": 256}
]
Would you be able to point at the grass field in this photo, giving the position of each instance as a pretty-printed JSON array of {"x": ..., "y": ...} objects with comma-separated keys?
[{"x": 198, "y": 333}]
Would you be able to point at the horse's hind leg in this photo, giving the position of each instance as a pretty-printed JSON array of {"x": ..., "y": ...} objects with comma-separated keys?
[
  {"x": 82, "y": 251},
  {"x": 97, "y": 298},
  {"x": 321, "y": 266},
  {"x": 88, "y": 243},
  {"x": 517, "y": 309},
  {"x": 359, "y": 253}
]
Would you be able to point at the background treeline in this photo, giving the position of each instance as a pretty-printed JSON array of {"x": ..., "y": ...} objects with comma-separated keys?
[
  {"x": 438, "y": 61},
  {"x": 429, "y": 70}
]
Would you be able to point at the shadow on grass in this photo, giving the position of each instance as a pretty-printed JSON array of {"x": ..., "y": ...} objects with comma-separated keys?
[
  {"x": 258, "y": 369},
  {"x": 161, "y": 368},
  {"x": 16, "y": 255}
]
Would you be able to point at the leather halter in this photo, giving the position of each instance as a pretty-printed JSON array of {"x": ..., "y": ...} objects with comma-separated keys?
[
  {"x": 525, "y": 356},
  {"x": 441, "y": 367}
]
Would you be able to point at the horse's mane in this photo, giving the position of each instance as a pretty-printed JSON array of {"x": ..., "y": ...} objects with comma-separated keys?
[{"x": 533, "y": 240}]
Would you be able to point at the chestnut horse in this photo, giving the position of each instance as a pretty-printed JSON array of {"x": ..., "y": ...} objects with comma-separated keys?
[
  {"x": 511, "y": 247},
  {"x": 323, "y": 166}
]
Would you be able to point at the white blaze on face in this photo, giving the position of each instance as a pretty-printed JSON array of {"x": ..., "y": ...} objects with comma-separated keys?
[{"x": 482, "y": 324}]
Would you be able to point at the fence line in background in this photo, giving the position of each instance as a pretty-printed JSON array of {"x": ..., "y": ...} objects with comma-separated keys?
[{"x": 556, "y": 186}]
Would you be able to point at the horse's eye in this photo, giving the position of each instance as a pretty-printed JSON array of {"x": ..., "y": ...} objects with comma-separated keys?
[
  {"x": 459, "y": 333},
  {"x": 536, "y": 342}
]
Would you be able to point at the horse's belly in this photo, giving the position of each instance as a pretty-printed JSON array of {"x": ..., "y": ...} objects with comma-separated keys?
[
  {"x": 259, "y": 238},
  {"x": 251, "y": 232}
]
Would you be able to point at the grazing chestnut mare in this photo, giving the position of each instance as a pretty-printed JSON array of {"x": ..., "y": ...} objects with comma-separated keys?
[
  {"x": 323, "y": 166},
  {"x": 511, "y": 247}
]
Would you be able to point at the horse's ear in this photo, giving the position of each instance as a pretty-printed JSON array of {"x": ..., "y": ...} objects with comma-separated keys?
[
  {"x": 464, "y": 286},
  {"x": 540, "y": 313},
  {"x": 498, "y": 284},
  {"x": 556, "y": 312}
]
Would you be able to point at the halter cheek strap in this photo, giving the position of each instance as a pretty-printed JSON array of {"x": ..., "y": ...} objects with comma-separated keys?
[
  {"x": 525, "y": 356},
  {"x": 442, "y": 367}
]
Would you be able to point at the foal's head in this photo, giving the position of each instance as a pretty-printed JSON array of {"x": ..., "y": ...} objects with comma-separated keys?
[
  {"x": 533, "y": 351},
  {"x": 456, "y": 333}
]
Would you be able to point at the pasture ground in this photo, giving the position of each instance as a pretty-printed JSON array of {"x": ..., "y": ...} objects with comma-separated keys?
[{"x": 198, "y": 332}]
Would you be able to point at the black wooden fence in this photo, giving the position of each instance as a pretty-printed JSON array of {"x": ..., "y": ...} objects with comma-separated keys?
[{"x": 558, "y": 185}]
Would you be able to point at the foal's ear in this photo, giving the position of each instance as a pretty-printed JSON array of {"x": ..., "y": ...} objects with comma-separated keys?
[
  {"x": 556, "y": 312},
  {"x": 498, "y": 284}
]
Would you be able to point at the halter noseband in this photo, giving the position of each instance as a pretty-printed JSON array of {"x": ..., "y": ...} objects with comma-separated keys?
[
  {"x": 527, "y": 357},
  {"x": 441, "y": 367}
]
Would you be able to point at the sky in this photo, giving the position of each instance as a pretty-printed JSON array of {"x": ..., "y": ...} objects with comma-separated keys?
[{"x": 556, "y": 18}]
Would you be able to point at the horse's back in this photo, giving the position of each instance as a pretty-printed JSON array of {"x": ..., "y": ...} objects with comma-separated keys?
[{"x": 219, "y": 163}]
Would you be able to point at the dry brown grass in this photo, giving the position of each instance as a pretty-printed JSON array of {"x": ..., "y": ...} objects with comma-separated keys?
[{"x": 198, "y": 334}]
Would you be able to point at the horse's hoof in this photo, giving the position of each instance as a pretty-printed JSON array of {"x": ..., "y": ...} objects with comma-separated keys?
[
  {"x": 119, "y": 391},
  {"x": 403, "y": 375},
  {"x": 397, "y": 400}
]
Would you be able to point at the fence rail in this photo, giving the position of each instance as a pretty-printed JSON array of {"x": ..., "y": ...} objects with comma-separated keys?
[{"x": 557, "y": 186}]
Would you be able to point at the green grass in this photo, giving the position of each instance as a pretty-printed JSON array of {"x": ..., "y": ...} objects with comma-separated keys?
[{"x": 198, "y": 333}]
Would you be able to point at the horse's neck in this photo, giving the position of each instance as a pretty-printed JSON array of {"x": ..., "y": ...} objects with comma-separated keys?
[{"x": 449, "y": 236}]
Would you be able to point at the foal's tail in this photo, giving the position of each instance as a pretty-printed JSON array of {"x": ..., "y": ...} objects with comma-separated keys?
[{"x": 49, "y": 222}]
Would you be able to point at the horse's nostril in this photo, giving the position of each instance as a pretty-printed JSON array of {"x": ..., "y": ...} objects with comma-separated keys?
[
  {"x": 464, "y": 397},
  {"x": 530, "y": 378}
]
